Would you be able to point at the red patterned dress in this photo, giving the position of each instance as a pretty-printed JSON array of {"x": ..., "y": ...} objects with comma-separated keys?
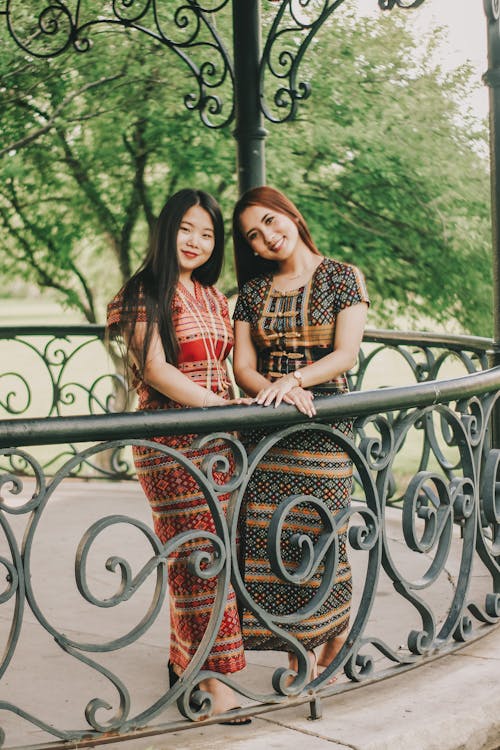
[
  {"x": 291, "y": 330},
  {"x": 205, "y": 338}
]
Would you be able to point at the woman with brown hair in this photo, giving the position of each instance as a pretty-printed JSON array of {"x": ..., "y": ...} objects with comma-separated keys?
[{"x": 299, "y": 322}]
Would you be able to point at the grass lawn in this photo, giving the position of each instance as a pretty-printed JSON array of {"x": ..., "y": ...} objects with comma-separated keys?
[{"x": 35, "y": 310}]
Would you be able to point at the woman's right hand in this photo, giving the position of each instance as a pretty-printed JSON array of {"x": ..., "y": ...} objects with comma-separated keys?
[{"x": 286, "y": 390}]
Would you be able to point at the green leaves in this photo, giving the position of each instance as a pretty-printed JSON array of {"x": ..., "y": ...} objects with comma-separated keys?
[
  {"x": 383, "y": 161},
  {"x": 389, "y": 178}
]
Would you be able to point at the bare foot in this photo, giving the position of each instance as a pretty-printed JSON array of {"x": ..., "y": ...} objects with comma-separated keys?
[
  {"x": 223, "y": 699},
  {"x": 329, "y": 651},
  {"x": 293, "y": 664}
]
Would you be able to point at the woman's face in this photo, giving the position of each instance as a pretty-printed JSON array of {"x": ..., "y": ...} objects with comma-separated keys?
[
  {"x": 270, "y": 234},
  {"x": 195, "y": 240}
]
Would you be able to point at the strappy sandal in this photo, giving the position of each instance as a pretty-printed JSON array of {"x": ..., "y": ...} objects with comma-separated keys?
[
  {"x": 173, "y": 677},
  {"x": 321, "y": 669},
  {"x": 236, "y": 722}
]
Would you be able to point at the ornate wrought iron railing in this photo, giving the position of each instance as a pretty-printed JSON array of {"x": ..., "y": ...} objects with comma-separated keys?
[
  {"x": 437, "y": 556},
  {"x": 66, "y": 371}
]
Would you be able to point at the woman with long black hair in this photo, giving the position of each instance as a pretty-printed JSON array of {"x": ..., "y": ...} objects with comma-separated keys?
[{"x": 176, "y": 331}]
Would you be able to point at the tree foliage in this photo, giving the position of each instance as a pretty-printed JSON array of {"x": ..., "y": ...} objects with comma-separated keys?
[
  {"x": 385, "y": 164},
  {"x": 93, "y": 144},
  {"x": 383, "y": 161}
]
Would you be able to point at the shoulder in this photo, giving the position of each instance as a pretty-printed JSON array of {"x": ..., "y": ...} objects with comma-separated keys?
[
  {"x": 255, "y": 287},
  {"x": 344, "y": 281},
  {"x": 129, "y": 303},
  {"x": 339, "y": 275},
  {"x": 337, "y": 269},
  {"x": 216, "y": 300},
  {"x": 250, "y": 298},
  {"x": 217, "y": 294},
  {"x": 115, "y": 308}
]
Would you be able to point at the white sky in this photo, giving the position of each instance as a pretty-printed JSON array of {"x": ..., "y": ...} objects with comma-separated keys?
[{"x": 466, "y": 38}]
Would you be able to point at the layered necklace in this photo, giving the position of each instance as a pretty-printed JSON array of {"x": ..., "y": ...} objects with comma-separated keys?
[{"x": 216, "y": 371}]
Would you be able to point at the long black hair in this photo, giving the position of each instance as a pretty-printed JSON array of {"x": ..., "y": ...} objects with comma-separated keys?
[
  {"x": 248, "y": 266},
  {"x": 153, "y": 285}
]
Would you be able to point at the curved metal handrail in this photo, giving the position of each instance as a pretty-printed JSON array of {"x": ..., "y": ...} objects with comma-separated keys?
[
  {"x": 447, "y": 524},
  {"x": 144, "y": 424}
]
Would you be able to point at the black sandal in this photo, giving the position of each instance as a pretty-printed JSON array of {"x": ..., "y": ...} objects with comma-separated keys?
[
  {"x": 236, "y": 722},
  {"x": 173, "y": 677}
]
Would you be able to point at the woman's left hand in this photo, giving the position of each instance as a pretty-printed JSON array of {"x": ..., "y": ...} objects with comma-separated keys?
[
  {"x": 302, "y": 400},
  {"x": 286, "y": 389},
  {"x": 240, "y": 400}
]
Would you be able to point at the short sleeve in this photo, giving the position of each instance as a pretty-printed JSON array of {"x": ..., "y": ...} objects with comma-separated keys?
[
  {"x": 114, "y": 310},
  {"x": 242, "y": 310},
  {"x": 350, "y": 288},
  {"x": 117, "y": 316}
]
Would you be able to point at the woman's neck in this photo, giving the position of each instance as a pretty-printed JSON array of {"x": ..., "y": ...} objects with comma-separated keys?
[
  {"x": 300, "y": 265},
  {"x": 187, "y": 282}
]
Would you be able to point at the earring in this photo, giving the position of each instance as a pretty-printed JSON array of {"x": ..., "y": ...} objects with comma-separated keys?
[{"x": 255, "y": 254}]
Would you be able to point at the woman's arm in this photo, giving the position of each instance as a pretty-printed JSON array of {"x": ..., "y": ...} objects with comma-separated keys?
[
  {"x": 255, "y": 384},
  {"x": 245, "y": 360},
  {"x": 349, "y": 330},
  {"x": 167, "y": 379}
]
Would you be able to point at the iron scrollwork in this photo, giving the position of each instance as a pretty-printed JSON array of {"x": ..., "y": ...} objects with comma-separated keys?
[
  {"x": 188, "y": 29},
  {"x": 321, "y": 554},
  {"x": 492, "y": 9},
  {"x": 57, "y": 386},
  {"x": 65, "y": 371},
  {"x": 293, "y": 28},
  {"x": 426, "y": 554},
  {"x": 211, "y": 561},
  {"x": 390, "y": 4}
]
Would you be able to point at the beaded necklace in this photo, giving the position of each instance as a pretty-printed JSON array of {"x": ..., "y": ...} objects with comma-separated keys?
[{"x": 198, "y": 311}]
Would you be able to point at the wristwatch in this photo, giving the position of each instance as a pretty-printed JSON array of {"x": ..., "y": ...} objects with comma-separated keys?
[{"x": 298, "y": 377}]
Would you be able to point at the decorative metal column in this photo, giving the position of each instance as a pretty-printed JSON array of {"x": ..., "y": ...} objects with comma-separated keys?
[
  {"x": 492, "y": 79},
  {"x": 227, "y": 89},
  {"x": 249, "y": 132}
]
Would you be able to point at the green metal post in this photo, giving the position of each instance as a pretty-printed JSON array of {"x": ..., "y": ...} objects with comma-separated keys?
[
  {"x": 492, "y": 79},
  {"x": 249, "y": 132}
]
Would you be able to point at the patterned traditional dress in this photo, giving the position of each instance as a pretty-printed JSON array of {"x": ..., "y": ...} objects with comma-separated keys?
[
  {"x": 204, "y": 334},
  {"x": 291, "y": 330}
]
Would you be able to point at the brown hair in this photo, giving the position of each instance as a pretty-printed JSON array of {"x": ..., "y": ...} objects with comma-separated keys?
[{"x": 248, "y": 266}]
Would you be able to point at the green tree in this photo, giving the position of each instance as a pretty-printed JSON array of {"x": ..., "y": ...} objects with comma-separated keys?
[
  {"x": 385, "y": 164},
  {"x": 92, "y": 146},
  {"x": 382, "y": 160}
]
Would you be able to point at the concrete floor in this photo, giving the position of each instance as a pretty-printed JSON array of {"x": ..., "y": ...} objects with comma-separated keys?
[{"x": 452, "y": 703}]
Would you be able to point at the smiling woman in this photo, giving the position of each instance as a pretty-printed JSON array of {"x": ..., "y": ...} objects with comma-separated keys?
[
  {"x": 175, "y": 329},
  {"x": 299, "y": 321},
  {"x": 195, "y": 243}
]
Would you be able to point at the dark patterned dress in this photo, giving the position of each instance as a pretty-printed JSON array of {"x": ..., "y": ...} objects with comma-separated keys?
[
  {"x": 291, "y": 330},
  {"x": 204, "y": 333}
]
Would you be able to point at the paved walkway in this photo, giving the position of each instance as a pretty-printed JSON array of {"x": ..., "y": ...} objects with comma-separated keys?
[{"x": 452, "y": 703}]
